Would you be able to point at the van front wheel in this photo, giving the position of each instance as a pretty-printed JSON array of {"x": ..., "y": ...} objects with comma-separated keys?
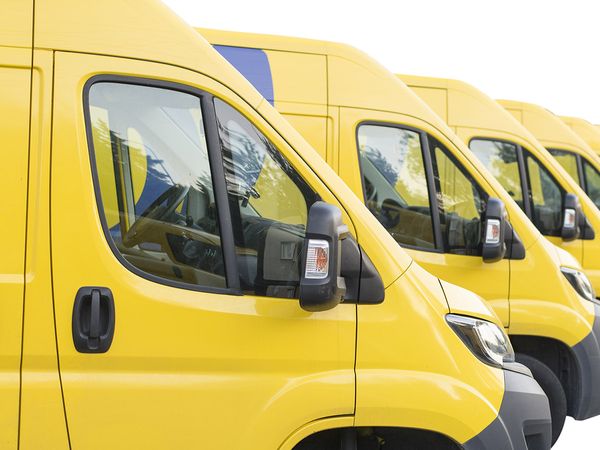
[{"x": 551, "y": 386}]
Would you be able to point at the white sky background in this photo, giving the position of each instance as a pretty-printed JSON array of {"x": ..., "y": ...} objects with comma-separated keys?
[{"x": 544, "y": 52}]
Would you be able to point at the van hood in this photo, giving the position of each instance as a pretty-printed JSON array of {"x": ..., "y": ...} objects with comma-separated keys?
[
  {"x": 562, "y": 257},
  {"x": 467, "y": 303}
]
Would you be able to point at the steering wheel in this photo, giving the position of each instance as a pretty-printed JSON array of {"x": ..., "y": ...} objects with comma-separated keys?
[
  {"x": 172, "y": 196},
  {"x": 390, "y": 213}
]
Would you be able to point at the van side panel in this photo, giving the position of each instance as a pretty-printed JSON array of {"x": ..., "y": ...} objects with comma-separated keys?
[
  {"x": 300, "y": 85},
  {"x": 437, "y": 99},
  {"x": 445, "y": 397},
  {"x": 42, "y": 421},
  {"x": 16, "y": 23},
  {"x": 15, "y": 75}
]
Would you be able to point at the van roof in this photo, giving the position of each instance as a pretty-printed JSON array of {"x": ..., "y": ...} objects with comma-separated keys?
[
  {"x": 147, "y": 30},
  {"x": 348, "y": 68},
  {"x": 471, "y": 108},
  {"x": 141, "y": 29},
  {"x": 356, "y": 80},
  {"x": 588, "y": 132},
  {"x": 546, "y": 126}
]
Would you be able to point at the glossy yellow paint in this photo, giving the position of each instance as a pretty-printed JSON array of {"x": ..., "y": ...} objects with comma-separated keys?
[
  {"x": 43, "y": 423},
  {"x": 360, "y": 90},
  {"x": 585, "y": 130},
  {"x": 473, "y": 114},
  {"x": 15, "y": 76},
  {"x": 552, "y": 133},
  {"x": 182, "y": 360}
]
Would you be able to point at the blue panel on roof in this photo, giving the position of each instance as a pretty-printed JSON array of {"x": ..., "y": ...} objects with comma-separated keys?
[{"x": 253, "y": 64}]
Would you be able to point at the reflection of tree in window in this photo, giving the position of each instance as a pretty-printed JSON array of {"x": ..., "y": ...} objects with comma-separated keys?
[
  {"x": 501, "y": 159},
  {"x": 394, "y": 183},
  {"x": 592, "y": 180},
  {"x": 462, "y": 203},
  {"x": 269, "y": 204},
  {"x": 155, "y": 182}
]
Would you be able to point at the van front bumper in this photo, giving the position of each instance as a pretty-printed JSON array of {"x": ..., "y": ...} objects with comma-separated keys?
[
  {"x": 586, "y": 396},
  {"x": 524, "y": 421}
]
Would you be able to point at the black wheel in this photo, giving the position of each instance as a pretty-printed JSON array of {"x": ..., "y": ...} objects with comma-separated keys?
[{"x": 551, "y": 386}]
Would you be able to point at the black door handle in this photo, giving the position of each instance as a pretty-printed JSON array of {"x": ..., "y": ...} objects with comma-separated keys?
[{"x": 93, "y": 319}]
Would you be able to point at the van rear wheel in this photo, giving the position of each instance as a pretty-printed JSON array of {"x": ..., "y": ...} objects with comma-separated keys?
[{"x": 551, "y": 386}]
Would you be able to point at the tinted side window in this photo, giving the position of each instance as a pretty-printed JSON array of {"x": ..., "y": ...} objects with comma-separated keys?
[
  {"x": 569, "y": 162},
  {"x": 592, "y": 182},
  {"x": 395, "y": 184},
  {"x": 155, "y": 182},
  {"x": 461, "y": 203},
  {"x": 546, "y": 197},
  {"x": 269, "y": 204},
  {"x": 500, "y": 158}
]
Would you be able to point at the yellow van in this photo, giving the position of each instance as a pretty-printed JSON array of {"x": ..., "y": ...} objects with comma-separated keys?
[
  {"x": 435, "y": 199},
  {"x": 571, "y": 151},
  {"x": 552, "y": 198},
  {"x": 585, "y": 130},
  {"x": 182, "y": 270}
]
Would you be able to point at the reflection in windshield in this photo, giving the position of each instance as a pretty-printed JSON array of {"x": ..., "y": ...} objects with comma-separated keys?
[
  {"x": 394, "y": 183},
  {"x": 500, "y": 158}
]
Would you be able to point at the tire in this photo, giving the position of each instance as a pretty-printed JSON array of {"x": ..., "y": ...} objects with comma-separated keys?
[{"x": 551, "y": 386}]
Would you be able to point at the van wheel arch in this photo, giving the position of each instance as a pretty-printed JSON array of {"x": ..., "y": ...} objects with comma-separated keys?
[
  {"x": 376, "y": 438},
  {"x": 558, "y": 357}
]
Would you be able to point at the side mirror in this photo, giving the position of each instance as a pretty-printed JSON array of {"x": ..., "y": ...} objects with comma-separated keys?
[
  {"x": 571, "y": 217},
  {"x": 321, "y": 285},
  {"x": 494, "y": 229}
]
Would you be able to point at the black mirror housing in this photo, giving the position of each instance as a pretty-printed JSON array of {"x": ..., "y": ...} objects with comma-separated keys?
[
  {"x": 571, "y": 218},
  {"x": 321, "y": 285},
  {"x": 494, "y": 230}
]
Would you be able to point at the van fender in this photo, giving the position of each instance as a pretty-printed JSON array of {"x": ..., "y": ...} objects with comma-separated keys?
[{"x": 325, "y": 423}]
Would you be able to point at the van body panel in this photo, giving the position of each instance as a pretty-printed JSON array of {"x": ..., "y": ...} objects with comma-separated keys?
[
  {"x": 469, "y": 272},
  {"x": 156, "y": 35},
  {"x": 588, "y": 132},
  {"x": 361, "y": 92},
  {"x": 15, "y": 79},
  {"x": 16, "y": 23},
  {"x": 417, "y": 399},
  {"x": 475, "y": 115},
  {"x": 42, "y": 421},
  {"x": 182, "y": 354},
  {"x": 553, "y": 133}
]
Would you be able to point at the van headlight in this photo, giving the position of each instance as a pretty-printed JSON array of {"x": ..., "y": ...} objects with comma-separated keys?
[
  {"x": 580, "y": 283},
  {"x": 485, "y": 339}
]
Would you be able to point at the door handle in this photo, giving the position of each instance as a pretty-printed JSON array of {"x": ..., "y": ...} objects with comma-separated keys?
[{"x": 93, "y": 319}]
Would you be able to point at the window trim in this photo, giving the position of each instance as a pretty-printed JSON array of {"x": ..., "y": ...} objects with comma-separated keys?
[{"x": 217, "y": 174}]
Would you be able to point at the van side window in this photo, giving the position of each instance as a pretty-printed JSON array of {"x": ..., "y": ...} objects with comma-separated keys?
[
  {"x": 546, "y": 197},
  {"x": 568, "y": 160},
  {"x": 461, "y": 203},
  {"x": 592, "y": 182},
  {"x": 501, "y": 159},
  {"x": 269, "y": 204},
  {"x": 155, "y": 183},
  {"x": 394, "y": 182}
]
